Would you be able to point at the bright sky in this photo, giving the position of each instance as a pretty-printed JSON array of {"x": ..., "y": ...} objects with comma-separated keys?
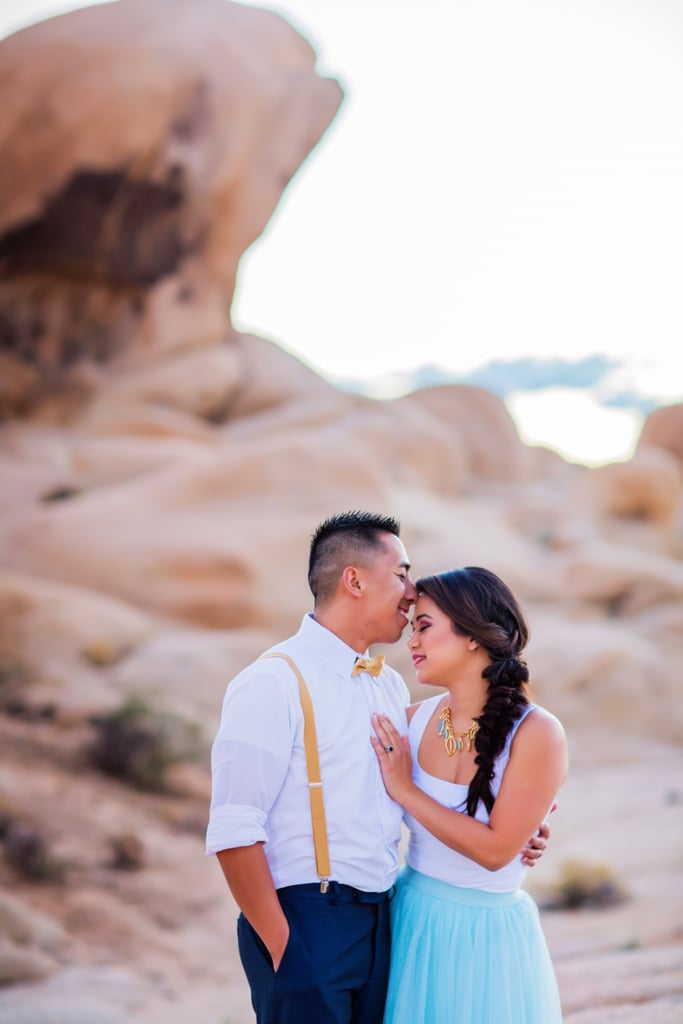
[{"x": 504, "y": 180}]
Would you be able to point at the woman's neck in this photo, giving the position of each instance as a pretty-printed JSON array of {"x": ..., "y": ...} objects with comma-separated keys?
[{"x": 466, "y": 698}]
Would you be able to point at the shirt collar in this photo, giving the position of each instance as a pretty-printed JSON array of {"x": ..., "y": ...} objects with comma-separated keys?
[{"x": 338, "y": 655}]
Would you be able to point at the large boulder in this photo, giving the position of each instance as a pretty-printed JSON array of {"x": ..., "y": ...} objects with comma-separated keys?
[
  {"x": 55, "y": 640},
  {"x": 214, "y": 543},
  {"x": 617, "y": 579},
  {"x": 601, "y": 671},
  {"x": 647, "y": 488},
  {"x": 664, "y": 427},
  {"x": 477, "y": 421},
  {"x": 146, "y": 144}
]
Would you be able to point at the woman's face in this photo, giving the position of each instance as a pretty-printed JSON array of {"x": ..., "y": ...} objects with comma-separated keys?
[{"x": 438, "y": 652}]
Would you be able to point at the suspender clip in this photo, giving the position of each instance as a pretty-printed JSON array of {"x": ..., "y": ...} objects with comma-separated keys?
[{"x": 324, "y": 884}]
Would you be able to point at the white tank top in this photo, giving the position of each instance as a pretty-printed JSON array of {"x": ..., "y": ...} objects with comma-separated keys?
[{"x": 429, "y": 855}]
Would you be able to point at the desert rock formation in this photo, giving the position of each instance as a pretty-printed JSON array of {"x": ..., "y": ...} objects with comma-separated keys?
[{"x": 161, "y": 475}]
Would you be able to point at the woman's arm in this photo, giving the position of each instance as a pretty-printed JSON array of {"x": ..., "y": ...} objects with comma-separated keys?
[{"x": 535, "y": 771}]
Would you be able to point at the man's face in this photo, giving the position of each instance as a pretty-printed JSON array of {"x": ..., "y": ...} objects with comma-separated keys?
[{"x": 389, "y": 593}]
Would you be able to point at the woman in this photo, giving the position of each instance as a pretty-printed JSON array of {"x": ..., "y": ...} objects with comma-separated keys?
[{"x": 480, "y": 767}]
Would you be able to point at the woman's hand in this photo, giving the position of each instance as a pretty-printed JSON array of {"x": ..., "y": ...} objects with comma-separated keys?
[
  {"x": 536, "y": 846},
  {"x": 393, "y": 755}
]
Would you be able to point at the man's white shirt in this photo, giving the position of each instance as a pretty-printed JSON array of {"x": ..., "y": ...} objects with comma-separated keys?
[{"x": 258, "y": 763}]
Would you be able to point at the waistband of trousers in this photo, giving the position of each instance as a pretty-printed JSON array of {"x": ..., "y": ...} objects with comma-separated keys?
[
  {"x": 337, "y": 892},
  {"x": 428, "y": 886}
]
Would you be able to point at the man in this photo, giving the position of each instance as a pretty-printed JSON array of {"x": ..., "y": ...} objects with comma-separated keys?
[{"x": 317, "y": 952}]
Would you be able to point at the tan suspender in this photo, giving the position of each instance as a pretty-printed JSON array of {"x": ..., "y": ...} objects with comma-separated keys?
[{"x": 315, "y": 786}]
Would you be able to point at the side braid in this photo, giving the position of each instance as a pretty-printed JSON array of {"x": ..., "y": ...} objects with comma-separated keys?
[{"x": 504, "y": 704}]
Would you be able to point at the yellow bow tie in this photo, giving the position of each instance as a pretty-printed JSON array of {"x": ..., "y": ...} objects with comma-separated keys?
[{"x": 373, "y": 666}]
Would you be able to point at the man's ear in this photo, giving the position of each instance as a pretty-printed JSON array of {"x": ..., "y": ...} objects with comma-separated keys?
[{"x": 352, "y": 582}]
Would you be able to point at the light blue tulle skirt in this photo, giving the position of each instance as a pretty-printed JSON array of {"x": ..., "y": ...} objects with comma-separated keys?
[{"x": 464, "y": 956}]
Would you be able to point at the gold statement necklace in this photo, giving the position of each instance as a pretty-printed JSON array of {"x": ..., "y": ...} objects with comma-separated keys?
[{"x": 454, "y": 741}]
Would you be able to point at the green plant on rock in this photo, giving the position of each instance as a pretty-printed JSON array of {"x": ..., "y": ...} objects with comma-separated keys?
[
  {"x": 30, "y": 854},
  {"x": 13, "y": 673},
  {"x": 139, "y": 745}
]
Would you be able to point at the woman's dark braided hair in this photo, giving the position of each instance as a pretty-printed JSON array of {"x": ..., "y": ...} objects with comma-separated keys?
[{"x": 481, "y": 606}]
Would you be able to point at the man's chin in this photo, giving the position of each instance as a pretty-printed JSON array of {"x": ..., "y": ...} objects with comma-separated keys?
[{"x": 395, "y": 636}]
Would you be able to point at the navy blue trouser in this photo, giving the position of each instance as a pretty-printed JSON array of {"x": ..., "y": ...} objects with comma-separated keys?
[{"x": 336, "y": 963}]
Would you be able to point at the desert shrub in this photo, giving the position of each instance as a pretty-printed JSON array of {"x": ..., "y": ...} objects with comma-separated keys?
[
  {"x": 139, "y": 745},
  {"x": 16, "y": 700},
  {"x": 29, "y": 853},
  {"x": 102, "y": 653},
  {"x": 62, "y": 493},
  {"x": 127, "y": 852},
  {"x": 13, "y": 674},
  {"x": 584, "y": 884},
  {"x": 9, "y": 813}
]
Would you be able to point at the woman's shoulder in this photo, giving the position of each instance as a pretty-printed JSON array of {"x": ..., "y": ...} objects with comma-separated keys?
[
  {"x": 540, "y": 728},
  {"x": 539, "y": 718}
]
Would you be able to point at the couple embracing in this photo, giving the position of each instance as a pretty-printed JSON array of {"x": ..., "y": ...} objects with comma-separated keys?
[{"x": 320, "y": 757}]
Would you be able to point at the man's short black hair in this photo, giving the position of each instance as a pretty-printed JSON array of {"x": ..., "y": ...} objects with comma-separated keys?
[{"x": 340, "y": 541}]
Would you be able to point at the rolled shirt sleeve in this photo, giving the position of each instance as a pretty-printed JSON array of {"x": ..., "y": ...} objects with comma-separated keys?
[{"x": 250, "y": 755}]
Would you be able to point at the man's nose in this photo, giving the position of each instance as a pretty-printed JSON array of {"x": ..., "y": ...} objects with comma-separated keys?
[{"x": 411, "y": 591}]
